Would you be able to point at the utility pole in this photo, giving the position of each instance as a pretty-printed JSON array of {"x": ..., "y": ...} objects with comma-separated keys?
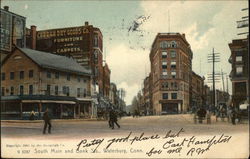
[
  {"x": 222, "y": 78},
  {"x": 227, "y": 84},
  {"x": 213, "y": 58}
]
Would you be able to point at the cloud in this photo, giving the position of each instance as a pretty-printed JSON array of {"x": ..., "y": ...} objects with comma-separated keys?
[
  {"x": 131, "y": 91},
  {"x": 26, "y": 6},
  {"x": 207, "y": 25},
  {"x": 128, "y": 68}
]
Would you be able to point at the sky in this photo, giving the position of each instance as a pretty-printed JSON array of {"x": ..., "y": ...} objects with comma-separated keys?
[{"x": 206, "y": 24}]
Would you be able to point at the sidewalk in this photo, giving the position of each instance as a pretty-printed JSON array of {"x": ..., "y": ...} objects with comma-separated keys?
[{"x": 54, "y": 120}]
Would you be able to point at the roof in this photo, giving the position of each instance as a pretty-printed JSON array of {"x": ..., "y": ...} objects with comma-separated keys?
[{"x": 57, "y": 62}]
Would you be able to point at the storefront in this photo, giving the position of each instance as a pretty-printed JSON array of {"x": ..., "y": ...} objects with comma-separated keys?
[{"x": 20, "y": 107}]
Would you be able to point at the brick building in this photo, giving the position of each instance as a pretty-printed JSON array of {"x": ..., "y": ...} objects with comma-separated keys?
[
  {"x": 35, "y": 80},
  {"x": 171, "y": 69},
  {"x": 12, "y": 27},
  {"x": 113, "y": 96},
  {"x": 239, "y": 75},
  {"x": 197, "y": 93},
  {"x": 147, "y": 94},
  {"x": 83, "y": 43}
]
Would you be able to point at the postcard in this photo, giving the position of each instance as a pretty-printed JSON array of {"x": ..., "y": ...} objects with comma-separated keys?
[{"x": 124, "y": 79}]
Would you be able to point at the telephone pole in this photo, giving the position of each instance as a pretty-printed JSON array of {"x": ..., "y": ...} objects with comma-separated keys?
[{"x": 213, "y": 58}]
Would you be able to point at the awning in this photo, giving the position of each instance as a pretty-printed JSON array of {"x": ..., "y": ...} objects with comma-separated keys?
[
  {"x": 84, "y": 99},
  {"x": 48, "y": 101}
]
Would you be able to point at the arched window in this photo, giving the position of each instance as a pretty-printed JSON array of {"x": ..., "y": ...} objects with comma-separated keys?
[
  {"x": 163, "y": 44},
  {"x": 173, "y": 44}
]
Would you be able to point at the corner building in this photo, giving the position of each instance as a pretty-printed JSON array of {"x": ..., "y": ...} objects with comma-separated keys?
[
  {"x": 83, "y": 43},
  {"x": 239, "y": 74},
  {"x": 171, "y": 69}
]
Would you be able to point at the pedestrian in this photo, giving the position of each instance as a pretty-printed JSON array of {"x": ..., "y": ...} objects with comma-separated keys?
[
  {"x": 47, "y": 121},
  {"x": 233, "y": 116},
  {"x": 113, "y": 118},
  {"x": 32, "y": 115}
]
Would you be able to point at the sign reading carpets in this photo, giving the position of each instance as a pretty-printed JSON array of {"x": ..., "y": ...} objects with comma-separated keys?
[{"x": 64, "y": 41}]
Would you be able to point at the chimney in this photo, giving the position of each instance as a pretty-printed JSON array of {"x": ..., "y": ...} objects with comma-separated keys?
[
  {"x": 6, "y": 8},
  {"x": 33, "y": 37},
  {"x": 183, "y": 35},
  {"x": 86, "y": 23}
]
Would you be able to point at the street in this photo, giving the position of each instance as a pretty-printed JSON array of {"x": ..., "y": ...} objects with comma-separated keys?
[
  {"x": 69, "y": 133},
  {"x": 152, "y": 124}
]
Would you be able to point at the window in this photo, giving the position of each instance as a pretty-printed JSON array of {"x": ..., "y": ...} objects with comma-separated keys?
[
  {"x": 164, "y": 54},
  {"x": 173, "y": 74},
  {"x": 21, "y": 75},
  {"x": 57, "y": 75},
  {"x": 66, "y": 90},
  {"x": 79, "y": 79},
  {"x": 21, "y": 90},
  {"x": 96, "y": 41},
  {"x": 31, "y": 72},
  {"x": 164, "y": 64},
  {"x": 11, "y": 90},
  {"x": 48, "y": 90},
  {"x": 165, "y": 73},
  {"x": 84, "y": 80},
  {"x": 78, "y": 92},
  {"x": 56, "y": 90},
  {"x": 84, "y": 92},
  {"x": 173, "y": 65},
  {"x": 12, "y": 75},
  {"x": 173, "y": 44},
  {"x": 3, "y": 76},
  {"x": 164, "y": 44},
  {"x": 30, "y": 89},
  {"x": 68, "y": 77},
  {"x": 48, "y": 74},
  {"x": 239, "y": 69},
  {"x": 173, "y": 95},
  {"x": 164, "y": 85},
  {"x": 238, "y": 58},
  {"x": 3, "y": 91},
  {"x": 172, "y": 54},
  {"x": 164, "y": 95}
]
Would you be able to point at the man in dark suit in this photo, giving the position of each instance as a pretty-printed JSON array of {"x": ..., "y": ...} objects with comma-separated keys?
[
  {"x": 113, "y": 119},
  {"x": 46, "y": 119}
]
